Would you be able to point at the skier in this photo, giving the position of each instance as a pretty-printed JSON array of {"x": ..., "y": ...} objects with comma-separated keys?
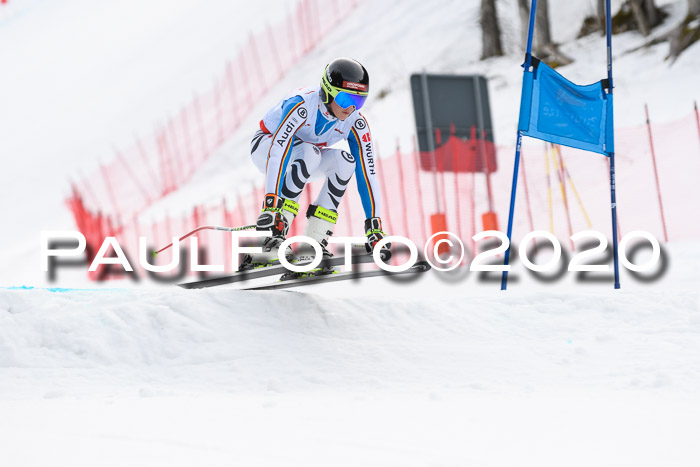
[{"x": 293, "y": 147}]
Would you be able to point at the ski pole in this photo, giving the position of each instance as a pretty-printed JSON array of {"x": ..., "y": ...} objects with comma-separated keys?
[
  {"x": 204, "y": 227},
  {"x": 385, "y": 254}
]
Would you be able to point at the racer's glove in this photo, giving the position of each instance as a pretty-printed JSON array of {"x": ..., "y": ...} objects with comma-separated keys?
[
  {"x": 374, "y": 233},
  {"x": 277, "y": 215}
]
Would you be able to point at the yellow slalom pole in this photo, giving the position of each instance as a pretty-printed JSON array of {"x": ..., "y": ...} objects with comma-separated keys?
[
  {"x": 549, "y": 189},
  {"x": 558, "y": 169},
  {"x": 573, "y": 187}
]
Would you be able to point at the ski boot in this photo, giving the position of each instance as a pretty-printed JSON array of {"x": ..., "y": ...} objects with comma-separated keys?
[
  {"x": 319, "y": 226},
  {"x": 276, "y": 217}
]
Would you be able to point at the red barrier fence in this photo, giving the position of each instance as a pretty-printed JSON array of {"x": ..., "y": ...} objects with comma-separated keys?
[{"x": 157, "y": 165}]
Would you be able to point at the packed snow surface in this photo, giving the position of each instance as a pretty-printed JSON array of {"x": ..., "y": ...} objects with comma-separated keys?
[
  {"x": 433, "y": 372},
  {"x": 446, "y": 370}
]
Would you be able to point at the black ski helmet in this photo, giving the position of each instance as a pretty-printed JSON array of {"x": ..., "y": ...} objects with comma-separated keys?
[{"x": 346, "y": 81}]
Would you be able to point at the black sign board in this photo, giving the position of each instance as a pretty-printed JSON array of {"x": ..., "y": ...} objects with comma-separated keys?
[{"x": 446, "y": 101}]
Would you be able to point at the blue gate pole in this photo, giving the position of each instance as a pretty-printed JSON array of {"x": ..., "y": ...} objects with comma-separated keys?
[
  {"x": 526, "y": 65},
  {"x": 613, "y": 203},
  {"x": 608, "y": 33},
  {"x": 504, "y": 278}
]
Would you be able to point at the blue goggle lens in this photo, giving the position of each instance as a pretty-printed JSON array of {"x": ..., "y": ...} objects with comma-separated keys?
[{"x": 345, "y": 100}]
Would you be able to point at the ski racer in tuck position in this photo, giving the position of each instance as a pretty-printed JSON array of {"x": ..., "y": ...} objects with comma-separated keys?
[{"x": 292, "y": 147}]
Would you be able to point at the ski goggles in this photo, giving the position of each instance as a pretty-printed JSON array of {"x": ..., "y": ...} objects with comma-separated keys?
[{"x": 345, "y": 97}]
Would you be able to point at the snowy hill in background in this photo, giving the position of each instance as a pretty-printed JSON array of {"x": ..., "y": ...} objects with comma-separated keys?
[{"x": 84, "y": 76}]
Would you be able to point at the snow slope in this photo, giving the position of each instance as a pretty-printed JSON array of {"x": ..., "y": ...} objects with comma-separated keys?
[{"x": 394, "y": 50}]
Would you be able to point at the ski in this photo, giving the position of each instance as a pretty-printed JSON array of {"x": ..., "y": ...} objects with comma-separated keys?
[
  {"x": 270, "y": 271},
  {"x": 419, "y": 267}
]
